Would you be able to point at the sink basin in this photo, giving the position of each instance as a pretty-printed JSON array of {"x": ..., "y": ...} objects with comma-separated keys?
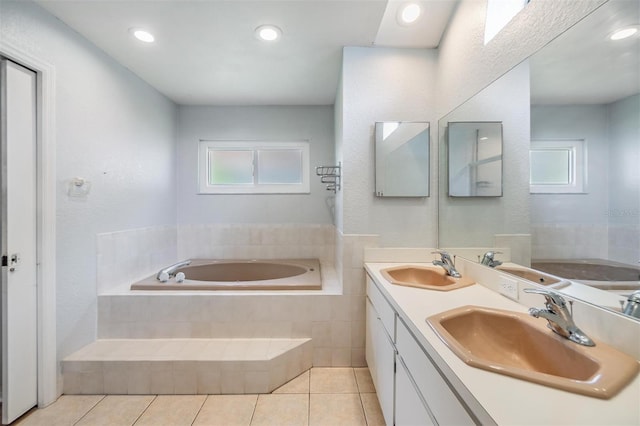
[
  {"x": 518, "y": 345},
  {"x": 535, "y": 276},
  {"x": 432, "y": 278}
]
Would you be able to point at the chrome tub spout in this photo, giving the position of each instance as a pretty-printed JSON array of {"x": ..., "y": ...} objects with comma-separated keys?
[{"x": 164, "y": 274}]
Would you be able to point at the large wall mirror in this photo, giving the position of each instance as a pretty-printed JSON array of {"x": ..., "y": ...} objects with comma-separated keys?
[
  {"x": 583, "y": 122},
  {"x": 402, "y": 159}
]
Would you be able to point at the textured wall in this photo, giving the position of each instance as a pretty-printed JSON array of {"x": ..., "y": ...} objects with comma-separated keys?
[
  {"x": 289, "y": 123},
  {"x": 112, "y": 129},
  {"x": 384, "y": 85},
  {"x": 466, "y": 65},
  {"x": 472, "y": 222}
]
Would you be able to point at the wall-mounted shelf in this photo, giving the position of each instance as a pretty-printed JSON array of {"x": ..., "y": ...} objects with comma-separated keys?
[{"x": 330, "y": 175}]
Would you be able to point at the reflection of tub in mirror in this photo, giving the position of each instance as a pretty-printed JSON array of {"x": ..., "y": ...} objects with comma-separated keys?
[
  {"x": 402, "y": 159},
  {"x": 475, "y": 159}
]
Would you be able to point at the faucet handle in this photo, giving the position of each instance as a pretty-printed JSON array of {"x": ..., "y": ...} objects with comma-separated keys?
[
  {"x": 492, "y": 253},
  {"x": 444, "y": 255},
  {"x": 551, "y": 296}
]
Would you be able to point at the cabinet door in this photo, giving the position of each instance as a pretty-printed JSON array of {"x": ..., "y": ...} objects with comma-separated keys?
[
  {"x": 410, "y": 410},
  {"x": 380, "y": 353},
  {"x": 441, "y": 399}
]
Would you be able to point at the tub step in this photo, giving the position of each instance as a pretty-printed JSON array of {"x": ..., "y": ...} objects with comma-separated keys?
[{"x": 185, "y": 366}]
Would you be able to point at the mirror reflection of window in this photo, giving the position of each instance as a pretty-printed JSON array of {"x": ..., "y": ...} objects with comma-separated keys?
[{"x": 557, "y": 167}]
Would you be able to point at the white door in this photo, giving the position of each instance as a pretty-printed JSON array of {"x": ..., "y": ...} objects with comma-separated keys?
[{"x": 18, "y": 183}]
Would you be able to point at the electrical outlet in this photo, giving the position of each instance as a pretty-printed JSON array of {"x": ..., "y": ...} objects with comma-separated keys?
[{"x": 509, "y": 288}]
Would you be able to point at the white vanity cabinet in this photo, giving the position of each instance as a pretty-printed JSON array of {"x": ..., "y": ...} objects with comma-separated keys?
[
  {"x": 410, "y": 409},
  {"x": 380, "y": 348},
  {"x": 442, "y": 402},
  {"x": 410, "y": 388}
]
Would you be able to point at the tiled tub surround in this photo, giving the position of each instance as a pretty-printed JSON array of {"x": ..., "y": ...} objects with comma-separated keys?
[
  {"x": 124, "y": 257},
  {"x": 569, "y": 241},
  {"x": 333, "y": 318},
  {"x": 185, "y": 366}
]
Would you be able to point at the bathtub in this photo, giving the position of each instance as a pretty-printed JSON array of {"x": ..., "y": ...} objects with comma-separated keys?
[
  {"x": 273, "y": 274},
  {"x": 599, "y": 273}
]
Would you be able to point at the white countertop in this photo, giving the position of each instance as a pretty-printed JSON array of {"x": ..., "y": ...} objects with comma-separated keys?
[{"x": 508, "y": 401}]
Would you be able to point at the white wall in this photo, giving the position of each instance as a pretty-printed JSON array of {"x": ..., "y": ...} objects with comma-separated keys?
[
  {"x": 384, "y": 84},
  {"x": 277, "y": 123},
  {"x": 112, "y": 129},
  {"x": 466, "y": 65},
  {"x": 604, "y": 222},
  {"x": 624, "y": 181},
  {"x": 473, "y": 222},
  {"x": 624, "y": 161},
  {"x": 588, "y": 122}
]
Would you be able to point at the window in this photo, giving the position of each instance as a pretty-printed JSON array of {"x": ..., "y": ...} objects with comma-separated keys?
[
  {"x": 253, "y": 167},
  {"x": 499, "y": 13},
  {"x": 557, "y": 166}
]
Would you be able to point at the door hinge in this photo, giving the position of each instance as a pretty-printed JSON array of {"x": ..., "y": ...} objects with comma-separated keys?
[{"x": 5, "y": 260}]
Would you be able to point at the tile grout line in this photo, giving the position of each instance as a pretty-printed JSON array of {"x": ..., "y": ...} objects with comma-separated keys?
[
  {"x": 145, "y": 410},
  {"x": 364, "y": 412},
  {"x": 199, "y": 410},
  {"x": 90, "y": 409},
  {"x": 253, "y": 413}
]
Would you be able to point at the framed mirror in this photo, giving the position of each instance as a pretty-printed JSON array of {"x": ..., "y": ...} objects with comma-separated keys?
[
  {"x": 402, "y": 159},
  {"x": 474, "y": 159}
]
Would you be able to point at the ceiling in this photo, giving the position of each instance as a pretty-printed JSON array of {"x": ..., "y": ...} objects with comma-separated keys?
[
  {"x": 206, "y": 53},
  {"x": 583, "y": 66}
]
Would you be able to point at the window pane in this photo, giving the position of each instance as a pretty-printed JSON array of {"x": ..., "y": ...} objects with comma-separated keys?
[
  {"x": 280, "y": 166},
  {"x": 550, "y": 167},
  {"x": 230, "y": 167}
]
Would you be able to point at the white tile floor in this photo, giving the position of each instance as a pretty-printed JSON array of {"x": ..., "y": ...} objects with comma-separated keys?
[{"x": 320, "y": 396}]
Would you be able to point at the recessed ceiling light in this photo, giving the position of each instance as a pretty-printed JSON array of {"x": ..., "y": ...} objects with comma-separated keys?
[
  {"x": 624, "y": 33},
  {"x": 409, "y": 13},
  {"x": 142, "y": 35},
  {"x": 268, "y": 32}
]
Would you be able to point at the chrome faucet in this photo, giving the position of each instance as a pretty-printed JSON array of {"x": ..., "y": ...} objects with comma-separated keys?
[
  {"x": 446, "y": 262},
  {"x": 633, "y": 305},
  {"x": 489, "y": 259},
  {"x": 559, "y": 317},
  {"x": 164, "y": 274}
]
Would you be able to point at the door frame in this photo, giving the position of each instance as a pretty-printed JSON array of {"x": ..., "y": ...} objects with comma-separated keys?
[{"x": 46, "y": 219}]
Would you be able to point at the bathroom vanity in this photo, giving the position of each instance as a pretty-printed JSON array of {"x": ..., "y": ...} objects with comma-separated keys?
[{"x": 419, "y": 380}]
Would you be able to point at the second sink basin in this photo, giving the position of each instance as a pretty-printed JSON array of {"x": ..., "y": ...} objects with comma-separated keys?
[
  {"x": 535, "y": 276},
  {"x": 518, "y": 345},
  {"x": 427, "y": 277}
]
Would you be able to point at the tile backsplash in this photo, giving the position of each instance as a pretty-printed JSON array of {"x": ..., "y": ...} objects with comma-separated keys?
[
  {"x": 257, "y": 241},
  {"x": 124, "y": 257}
]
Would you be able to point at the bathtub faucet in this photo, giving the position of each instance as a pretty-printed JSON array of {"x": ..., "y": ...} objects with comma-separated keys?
[
  {"x": 164, "y": 274},
  {"x": 559, "y": 318}
]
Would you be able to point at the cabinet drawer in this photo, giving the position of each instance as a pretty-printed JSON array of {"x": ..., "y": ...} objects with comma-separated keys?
[
  {"x": 384, "y": 309},
  {"x": 442, "y": 401}
]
